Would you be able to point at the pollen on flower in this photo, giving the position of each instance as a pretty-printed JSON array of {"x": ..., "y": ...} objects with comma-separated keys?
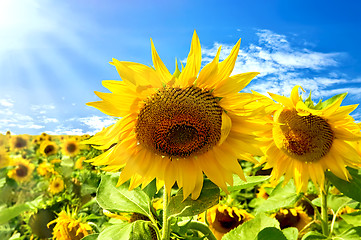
[
  {"x": 305, "y": 138},
  {"x": 178, "y": 122}
]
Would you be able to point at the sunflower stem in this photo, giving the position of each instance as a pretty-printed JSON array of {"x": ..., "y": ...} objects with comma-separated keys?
[
  {"x": 203, "y": 228},
  {"x": 324, "y": 209},
  {"x": 165, "y": 227}
]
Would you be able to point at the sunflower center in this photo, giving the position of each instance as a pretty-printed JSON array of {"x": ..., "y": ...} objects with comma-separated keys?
[
  {"x": 71, "y": 147},
  {"x": 21, "y": 171},
  {"x": 179, "y": 122},
  {"x": 48, "y": 149},
  {"x": 227, "y": 222},
  {"x": 20, "y": 142},
  {"x": 287, "y": 219},
  {"x": 305, "y": 138}
]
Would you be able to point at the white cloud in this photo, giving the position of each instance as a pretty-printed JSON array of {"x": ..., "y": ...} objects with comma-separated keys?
[
  {"x": 97, "y": 123},
  {"x": 6, "y": 102}
]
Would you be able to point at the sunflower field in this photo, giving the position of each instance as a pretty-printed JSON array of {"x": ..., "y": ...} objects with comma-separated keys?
[{"x": 190, "y": 156}]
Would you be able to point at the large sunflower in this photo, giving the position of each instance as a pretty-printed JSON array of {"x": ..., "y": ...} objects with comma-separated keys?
[
  {"x": 175, "y": 127},
  {"x": 307, "y": 140}
]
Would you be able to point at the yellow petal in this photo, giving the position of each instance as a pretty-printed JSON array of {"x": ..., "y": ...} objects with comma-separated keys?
[
  {"x": 208, "y": 75},
  {"x": 225, "y": 128},
  {"x": 159, "y": 65},
  {"x": 295, "y": 97},
  {"x": 234, "y": 84},
  {"x": 225, "y": 68},
  {"x": 282, "y": 99},
  {"x": 190, "y": 72}
]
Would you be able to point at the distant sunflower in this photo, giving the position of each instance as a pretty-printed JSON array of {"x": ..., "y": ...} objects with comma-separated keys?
[
  {"x": 293, "y": 217},
  {"x": 48, "y": 148},
  {"x": 4, "y": 141},
  {"x": 175, "y": 127},
  {"x": 71, "y": 147},
  {"x": 79, "y": 163},
  {"x": 19, "y": 142},
  {"x": 222, "y": 219},
  {"x": 56, "y": 185},
  {"x": 69, "y": 228},
  {"x": 4, "y": 158},
  {"x": 307, "y": 140},
  {"x": 45, "y": 169},
  {"x": 22, "y": 172}
]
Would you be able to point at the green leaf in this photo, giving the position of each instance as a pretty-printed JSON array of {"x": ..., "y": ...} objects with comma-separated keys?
[
  {"x": 281, "y": 196},
  {"x": 127, "y": 231},
  {"x": 120, "y": 198},
  {"x": 271, "y": 233},
  {"x": 14, "y": 211},
  {"x": 353, "y": 219},
  {"x": 251, "y": 228},
  {"x": 313, "y": 236},
  {"x": 290, "y": 233},
  {"x": 252, "y": 181},
  {"x": 209, "y": 197},
  {"x": 322, "y": 105},
  {"x": 352, "y": 188},
  {"x": 351, "y": 234},
  {"x": 91, "y": 237},
  {"x": 151, "y": 189}
]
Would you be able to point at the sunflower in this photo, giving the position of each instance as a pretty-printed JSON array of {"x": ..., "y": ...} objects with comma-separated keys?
[
  {"x": 22, "y": 172},
  {"x": 71, "y": 147},
  {"x": 79, "y": 163},
  {"x": 293, "y": 217},
  {"x": 307, "y": 140},
  {"x": 4, "y": 141},
  {"x": 4, "y": 158},
  {"x": 69, "y": 228},
  {"x": 19, "y": 142},
  {"x": 56, "y": 185},
  {"x": 48, "y": 148},
  {"x": 223, "y": 218},
  {"x": 45, "y": 169},
  {"x": 175, "y": 127}
]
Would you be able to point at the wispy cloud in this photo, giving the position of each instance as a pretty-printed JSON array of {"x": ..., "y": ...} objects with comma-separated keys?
[{"x": 283, "y": 64}]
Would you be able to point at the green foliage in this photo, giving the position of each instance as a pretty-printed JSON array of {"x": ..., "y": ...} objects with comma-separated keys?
[
  {"x": 14, "y": 211},
  {"x": 127, "y": 231},
  {"x": 350, "y": 188},
  {"x": 313, "y": 236},
  {"x": 252, "y": 181},
  {"x": 251, "y": 229},
  {"x": 271, "y": 233},
  {"x": 353, "y": 218},
  {"x": 209, "y": 197},
  {"x": 281, "y": 196},
  {"x": 120, "y": 199}
]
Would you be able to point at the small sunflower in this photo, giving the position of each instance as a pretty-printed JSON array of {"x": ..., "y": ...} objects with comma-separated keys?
[
  {"x": 56, "y": 185},
  {"x": 293, "y": 217},
  {"x": 79, "y": 163},
  {"x": 48, "y": 148},
  {"x": 19, "y": 142},
  {"x": 22, "y": 172},
  {"x": 4, "y": 141},
  {"x": 174, "y": 128},
  {"x": 307, "y": 140},
  {"x": 222, "y": 219},
  {"x": 71, "y": 147},
  {"x": 69, "y": 228},
  {"x": 45, "y": 169},
  {"x": 4, "y": 158}
]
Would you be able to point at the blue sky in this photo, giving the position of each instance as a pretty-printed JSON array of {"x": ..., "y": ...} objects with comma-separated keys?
[{"x": 54, "y": 54}]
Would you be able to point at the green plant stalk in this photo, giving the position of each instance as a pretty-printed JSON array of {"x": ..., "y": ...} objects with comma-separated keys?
[
  {"x": 203, "y": 228},
  {"x": 165, "y": 227},
  {"x": 324, "y": 209}
]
